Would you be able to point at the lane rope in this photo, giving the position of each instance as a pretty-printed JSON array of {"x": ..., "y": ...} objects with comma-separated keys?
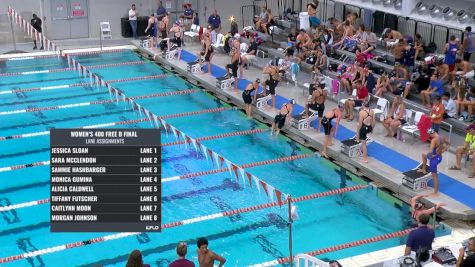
[
  {"x": 109, "y": 124},
  {"x": 54, "y": 87},
  {"x": 86, "y": 53},
  {"x": 339, "y": 247},
  {"x": 83, "y": 104},
  {"x": 169, "y": 225}
]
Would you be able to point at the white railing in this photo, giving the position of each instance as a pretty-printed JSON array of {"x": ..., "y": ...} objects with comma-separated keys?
[{"x": 305, "y": 260}]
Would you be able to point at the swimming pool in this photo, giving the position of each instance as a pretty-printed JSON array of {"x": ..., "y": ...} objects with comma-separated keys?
[{"x": 261, "y": 234}]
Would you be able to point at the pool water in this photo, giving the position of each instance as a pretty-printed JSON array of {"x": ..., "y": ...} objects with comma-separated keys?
[{"x": 243, "y": 239}]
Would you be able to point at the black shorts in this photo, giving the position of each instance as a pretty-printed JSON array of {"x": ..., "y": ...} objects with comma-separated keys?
[
  {"x": 327, "y": 125},
  {"x": 234, "y": 68},
  {"x": 279, "y": 120},
  {"x": 272, "y": 85},
  {"x": 364, "y": 131},
  {"x": 176, "y": 40},
  {"x": 318, "y": 107},
  {"x": 246, "y": 97},
  {"x": 358, "y": 103}
]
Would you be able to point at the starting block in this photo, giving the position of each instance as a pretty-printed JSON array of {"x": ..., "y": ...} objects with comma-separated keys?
[
  {"x": 351, "y": 148},
  {"x": 145, "y": 43},
  {"x": 195, "y": 67},
  {"x": 302, "y": 123},
  {"x": 415, "y": 180},
  {"x": 262, "y": 101},
  {"x": 170, "y": 55},
  {"x": 224, "y": 83}
]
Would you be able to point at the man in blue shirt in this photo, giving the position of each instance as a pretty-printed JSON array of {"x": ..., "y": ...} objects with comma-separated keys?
[
  {"x": 188, "y": 13},
  {"x": 161, "y": 11},
  {"x": 215, "y": 20},
  {"x": 421, "y": 237}
]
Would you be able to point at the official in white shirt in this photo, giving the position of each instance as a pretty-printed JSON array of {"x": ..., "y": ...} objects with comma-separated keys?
[{"x": 133, "y": 21}]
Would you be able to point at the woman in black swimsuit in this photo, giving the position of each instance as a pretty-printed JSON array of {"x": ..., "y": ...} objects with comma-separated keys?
[
  {"x": 317, "y": 102},
  {"x": 365, "y": 126},
  {"x": 279, "y": 119},
  {"x": 273, "y": 81},
  {"x": 207, "y": 51},
  {"x": 335, "y": 113},
  {"x": 247, "y": 96}
]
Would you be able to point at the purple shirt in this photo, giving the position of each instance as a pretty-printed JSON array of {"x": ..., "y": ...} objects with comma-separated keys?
[
  {"x": 422, "y": 237},
  {"x": 182, "y": 263}
]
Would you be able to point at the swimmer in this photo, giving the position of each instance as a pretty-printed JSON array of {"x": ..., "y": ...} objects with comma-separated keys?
[
  {"x": 438, "y": 145},
  {"x": 247, "y": 98},
  {"x": 206, "y": 257},
  {"x": 365, "y": 126},
  {"x": 335, "y": 113},
  {"x": 417, "y": 208},
  {"x": 281, "y": 118},
  {"x": 317, "y": 102},
  {"x": 153, "y": 27},
  {"x": 176, "y": 32}
]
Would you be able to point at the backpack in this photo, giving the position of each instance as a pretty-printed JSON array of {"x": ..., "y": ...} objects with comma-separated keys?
[{"x": 430, "y": 48}]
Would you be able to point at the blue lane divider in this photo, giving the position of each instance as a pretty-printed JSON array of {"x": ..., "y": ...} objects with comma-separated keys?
[{"x": 447, "y": 185}]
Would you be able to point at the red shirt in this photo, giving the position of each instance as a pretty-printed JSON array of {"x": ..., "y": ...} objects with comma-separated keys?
[
  {"x": 362, "y": 93},
  {"x": 182, "y": 263}
]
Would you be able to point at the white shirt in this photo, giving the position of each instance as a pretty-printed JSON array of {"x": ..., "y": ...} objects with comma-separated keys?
[
  {"x": 450, "y": 107},
  {"x": 132, "y": 14}
]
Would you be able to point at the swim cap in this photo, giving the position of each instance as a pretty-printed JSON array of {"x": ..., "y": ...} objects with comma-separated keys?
[
  {"x": 258, "y": 80},
  {"x": 292, "y": 101}
]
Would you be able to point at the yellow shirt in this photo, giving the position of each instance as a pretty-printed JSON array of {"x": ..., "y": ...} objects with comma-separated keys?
[{"x": 470, "y": 139}]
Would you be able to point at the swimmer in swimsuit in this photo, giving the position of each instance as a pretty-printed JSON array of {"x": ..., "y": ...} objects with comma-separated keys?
[
  {"x": 247, "y": 96},
  {"x": 233, "y": 67},
  {"x": 365, "y": 126},
  {"x": 317, "y": 103},
  {"x": 176, "y": 32},
  {"x": 273, "y": 81},
  {"x": 417, "y": 208},
  {"x": 207, "y": 51},
  {"x": 438, "y": 145},
  {"x": 280, "y": 119},
  {"x": 153, "y": 27},
  {"x": 335, "y": 113}
]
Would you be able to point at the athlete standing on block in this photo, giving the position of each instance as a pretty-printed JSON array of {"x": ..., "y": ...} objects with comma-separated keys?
[
  {"x": 438, "y": 145},
  {"x": 153, "y": 27}
]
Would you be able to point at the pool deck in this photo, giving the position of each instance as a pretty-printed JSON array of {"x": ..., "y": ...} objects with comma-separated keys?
[{"x": 383, "y": 175}]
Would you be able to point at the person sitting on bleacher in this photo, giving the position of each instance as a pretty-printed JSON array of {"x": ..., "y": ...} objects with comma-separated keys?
[
  {"x": 347, "y": 77},
  {"x": 322, "y": 61},
  {"x": 449, "y": 105},
  {"x": 467, "y": 149},
  {"x": 317, "y": 102},
  {"x": 347, "y": 30},
  {"x": 292, "y": 38},
  {"x": 250, "y": 53},
  {"x": 284, "y": 65},
  {"x": 303, "y": 41},
  {"x": 368, "y": 40},
  {"x": 399, "y": 81},
  {"x": 419, "y": 45},
  {"x": 307, "y": 54},
  {"x": 361, "y": 96},
  {"x": 265, "y": 26},
  {"x": 382, "y": 85},
  {"x": 442, "y": 70},
  {"x": 261, "y": 18},
  {"x": 464, "y": 68},
  {"x": 398, "y": 50},
  {"x": 409, "y": 57},
  {"x": 436, "y": 88},
  {"x": 397, "y": 117},
  {"x": 468, "y": 102},
  {"x": 391, "y": 37},
  {"x": 366, "y": 122}
]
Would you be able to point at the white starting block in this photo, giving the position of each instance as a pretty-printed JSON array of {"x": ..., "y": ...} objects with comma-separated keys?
[
  {"x": 170, "y": 55},
  {"x": 195, "y": 67},
  {"x": 146, "y": 43},
  {"x": 416, "y": 181},
  {"x": 262, "y": 102},
  {"x": 224, "y": 83},
  {"x": 302, "y": 123},
  {"x": 351, "y": 148}
]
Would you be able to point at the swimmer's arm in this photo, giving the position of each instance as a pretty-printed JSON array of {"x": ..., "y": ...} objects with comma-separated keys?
[
  {"x": 336, "y": 126},
  {"x": 216, "y": 257},
  {"x": 360, "y": 122}
]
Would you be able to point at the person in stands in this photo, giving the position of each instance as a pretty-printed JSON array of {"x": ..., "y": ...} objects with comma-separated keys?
[
  {"x": 451, "y": 50},
  {"x": 133, "y": 21},
  {"x": 135, "y": 260},
  {"x": 468, "y": 148},
  {"x": 468, "y": 45},
  {"x": 397, "y": 117},
  {"x": 181, "y": 250},
  {"x": 361, "y": 96},
  {"x": 464, "y": 69},
  {"x": 36, "y": 23},
  {"x": 206, "y": 257},
  {"x": 420, "y": 238}
]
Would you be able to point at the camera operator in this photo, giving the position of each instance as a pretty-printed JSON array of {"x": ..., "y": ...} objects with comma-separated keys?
[{"x": 470, "y": 259}]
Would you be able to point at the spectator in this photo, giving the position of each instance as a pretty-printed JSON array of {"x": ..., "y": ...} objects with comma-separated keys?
[
  {"x": 419, "y": 45},
  {"x": 188, "y": 14},
  {"x": 468, "y": 148},
  {"x": 409, "y": 57},
  {"x": 397, "y": 117},
  {"x": 303, "y": 41},
  {"x": 348, "y": 76},
  {"x": 196, "y": 19},
  {"x": 451, "y": 49},
  {"x": 468, "y": 102},
  {"x": 292, "y": 37},
  {"x": 449, "y": 105},
  {"x": 133, "y": 21},
  {"x": 417, "y": 208},
  {"x": 36, "y": 23},
  {"x": 422, "y": 79},
  {"x": 361, "y": 97},
  {"x": 442, "y": 70},
  {"x": 312, "y": 14},
  {"x": 181, "y": 250},
  {"x": 438, "y": 145},
  {"x": 265, "y": 25},
  {"x": 392, "y": 37},
  {"x": 420, "y": 238},
  {"x": 263, "y": 17},
  {"x": 135, "y": 260},
  {"x": 366, "y": 122},
  {"x": 161, "y": 11},
  {"x": 250, "y": 53},
  {"x": 382, "y": 85},
  {"x": 206, "y": 257},
  {"x": 335, "y": 113},
  {"x": 398, "y": 50},
  {"x": 469, "y": 261},
  {"x": 400, "y": 80},
  {"x": 368, "y": 40},
  {"x": 436, "y": 88},
  {"x": 215, "y": 20},
  {"x": 234, "y": 27},
  {"x": 468, "y": 46},
  {"x": 464, "y": 69},
  {"x": 437, "y": 113},
  {"x": 322, "y": 61}
]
